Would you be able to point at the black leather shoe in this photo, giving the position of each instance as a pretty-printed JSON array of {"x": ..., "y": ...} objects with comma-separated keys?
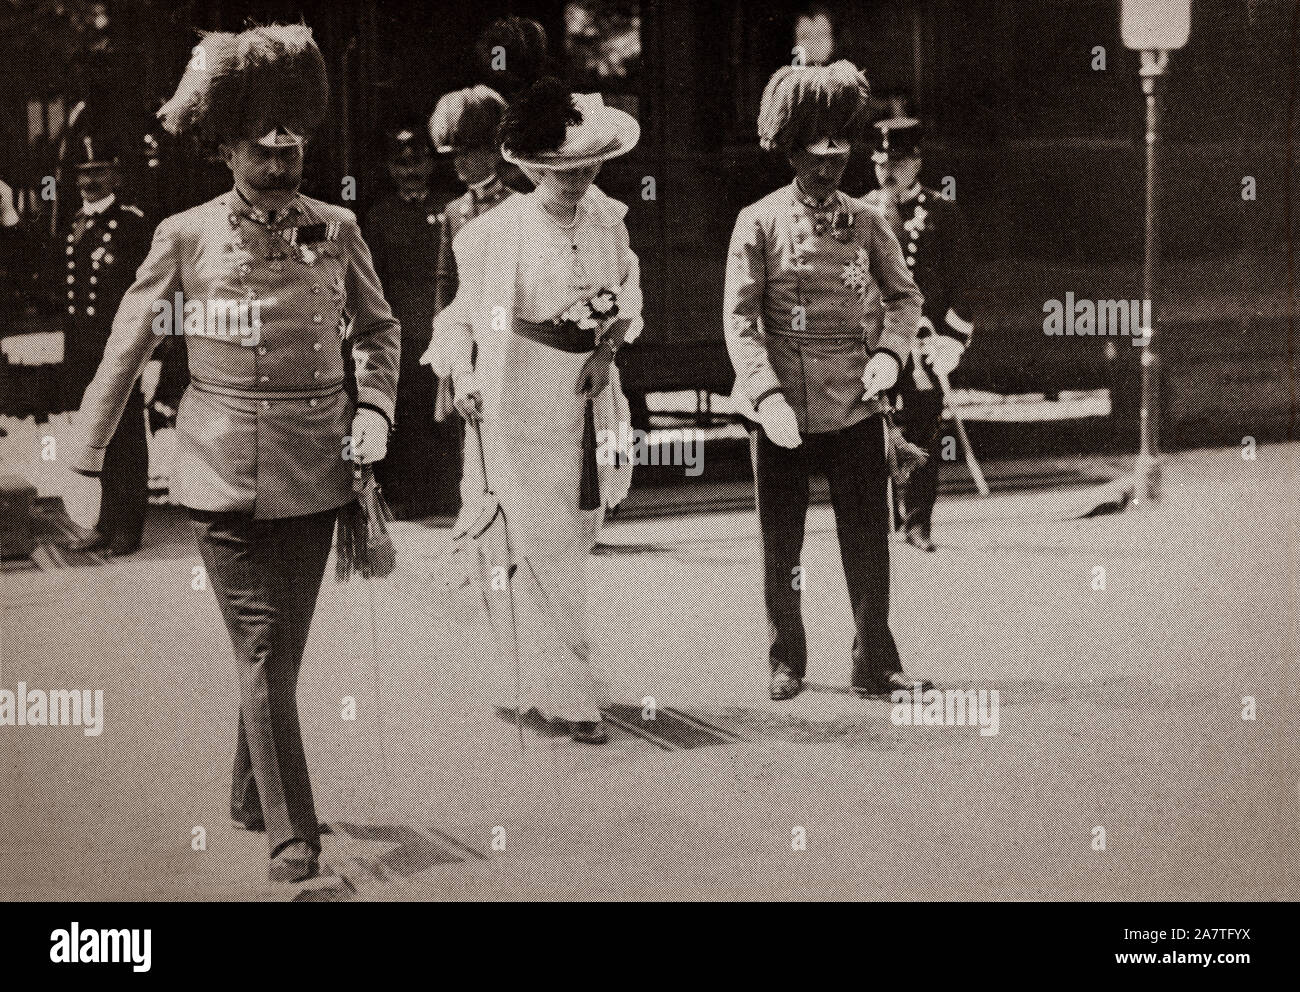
[
  {"x": 295, "y": 862},
  {"x": 588, "y": 732},
  {"x": 120, "y": 547},
  {"x": 918, "y": 538},
  {"x": 784, "y": 686},
  {"x": 892, "y": 683},
  {"x": 91, "y": 542}
]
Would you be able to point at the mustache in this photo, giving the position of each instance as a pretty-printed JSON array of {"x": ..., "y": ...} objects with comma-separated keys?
[{"x": 283, "y": 182}]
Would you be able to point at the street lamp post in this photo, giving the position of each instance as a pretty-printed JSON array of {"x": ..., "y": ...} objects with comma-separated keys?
[
  {"x": 1147, "y": 468},
  {"x": 1153, "y": 27}
]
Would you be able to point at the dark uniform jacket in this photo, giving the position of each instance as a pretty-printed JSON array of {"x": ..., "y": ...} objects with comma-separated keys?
[
  {"x": 932, "y": 233},
  {"x": 99, "y": 257},
  {"x": 404, "y": 236},
  {"x": 810, "y": 294},
  {"x": 261, "y": 428}
]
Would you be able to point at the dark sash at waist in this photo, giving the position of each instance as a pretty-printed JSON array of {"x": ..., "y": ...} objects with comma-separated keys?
[
  {"x": 564, "y": 337},
  {"x": 224, "y": 389}
]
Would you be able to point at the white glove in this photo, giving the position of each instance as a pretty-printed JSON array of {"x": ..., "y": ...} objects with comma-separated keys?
[
  {"x": 369, "y": 436},
  {"x": 942, "y": 352},
  {"x": 881, "y": 373},
  {"x": 8, "y": 216},
  {"x": 469, "y": 399},
  {"x": 779, "y": 422}
]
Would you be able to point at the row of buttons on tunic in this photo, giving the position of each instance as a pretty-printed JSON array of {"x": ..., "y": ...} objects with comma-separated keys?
[
  {"x": 266, "y": 404},
  {"x": 277, "y": 265},
  {"x": 99, "y": 254}
]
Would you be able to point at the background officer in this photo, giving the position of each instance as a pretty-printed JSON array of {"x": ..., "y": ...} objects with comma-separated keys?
[
  {"x": 421, "y": 472},
  {"x": 464, "y": 125},
  {"x": 103, "y": 245},
  {"x": 933, "y": 235}
]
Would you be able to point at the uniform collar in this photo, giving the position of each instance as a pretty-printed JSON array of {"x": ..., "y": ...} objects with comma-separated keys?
[
  {"x": 801, "y": 197},
  {"x": 241, "y": 207},
  {"x": 98, "y": 206},
  {"x": 911, "y": 194},
  {"x": 488, "y": 189}
]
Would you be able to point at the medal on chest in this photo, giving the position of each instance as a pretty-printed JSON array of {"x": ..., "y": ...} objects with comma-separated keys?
[{"x": 309, "y": 242}]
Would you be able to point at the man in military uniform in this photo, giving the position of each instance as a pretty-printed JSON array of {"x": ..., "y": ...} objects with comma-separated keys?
[
  {"x": 464, "y": 125},
  {"x": 933, "y": 235},
  {"x": 820, "y": 311},
  {"x": 265, "y": 427},
  {"x": 421, "y": 472},
  {"x": 105, "y": 243}
]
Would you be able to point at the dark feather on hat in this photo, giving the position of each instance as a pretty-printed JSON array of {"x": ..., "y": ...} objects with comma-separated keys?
[
  {"x": 466, "y": 118},
  {"x": 242, "y": 85},
  {"x": 803, "y": 104},
  {"x": 538, "y": 121}
]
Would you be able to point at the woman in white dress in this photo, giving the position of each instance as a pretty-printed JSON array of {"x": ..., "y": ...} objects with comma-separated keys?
[{"x": 549, "y": 291}]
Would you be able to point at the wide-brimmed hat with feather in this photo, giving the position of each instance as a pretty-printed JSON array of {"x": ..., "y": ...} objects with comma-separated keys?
[
  {"x": 267, "y": 84},
  {"x": 818, "y": 108},
  {"x": 548, "y": 127}
]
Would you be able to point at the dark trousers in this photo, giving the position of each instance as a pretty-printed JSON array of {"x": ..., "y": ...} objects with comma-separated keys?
[
  {"x": 266, "y": 574},
  {"x": 125, "y": 477},
  {"x": 920, "y": 420},
  {"x": 853, "y": 461}
]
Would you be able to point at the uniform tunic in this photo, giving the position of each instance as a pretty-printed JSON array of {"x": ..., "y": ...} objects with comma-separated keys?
[
  {"x": 100, "y": 254},
  {"x": 932, "y": 233},
  {"x": 261, "y": 428},
  {"x": 811, "y": 293},
  {"x": 105, "y": 244}
]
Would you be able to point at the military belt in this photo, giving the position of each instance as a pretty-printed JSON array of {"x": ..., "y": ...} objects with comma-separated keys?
[{"x": 223, "y": 389}]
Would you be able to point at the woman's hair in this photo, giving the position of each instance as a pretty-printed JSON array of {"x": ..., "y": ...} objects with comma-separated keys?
[
  {"x": 539, "y": 118},
  {"x": 512, "y": 54}
]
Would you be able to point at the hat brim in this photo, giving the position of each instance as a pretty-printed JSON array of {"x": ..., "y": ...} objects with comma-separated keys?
[
  {"x": 880, "y": 158},
  {"x": 625, "y": 133},
  {"x": 281, "y": 137},
  {"x": 829, "y": 147}
]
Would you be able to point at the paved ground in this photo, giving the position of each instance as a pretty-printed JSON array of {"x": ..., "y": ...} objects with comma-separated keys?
[{"x": 1121, "y": 708}]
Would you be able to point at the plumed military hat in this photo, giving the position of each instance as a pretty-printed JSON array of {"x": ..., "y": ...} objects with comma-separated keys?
[
  {"x": 898, "y": 137},
  {"x": 267, "y": 84},
  {"x": 814, "y": 107},
  {"x": 465, "y": 118}
]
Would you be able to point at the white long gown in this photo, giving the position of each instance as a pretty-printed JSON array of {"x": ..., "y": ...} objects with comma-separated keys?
[{"x": 533, "y": 423}]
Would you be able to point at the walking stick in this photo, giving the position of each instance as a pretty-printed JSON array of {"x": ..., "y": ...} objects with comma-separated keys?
[
  {"x": 379, "y": 703},
  {"x": 967, "y": 450},
  {"x": 510, "y": 589}
]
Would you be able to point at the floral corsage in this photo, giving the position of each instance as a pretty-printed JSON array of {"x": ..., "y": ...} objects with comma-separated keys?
[{"x": 590, "y": 315}]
